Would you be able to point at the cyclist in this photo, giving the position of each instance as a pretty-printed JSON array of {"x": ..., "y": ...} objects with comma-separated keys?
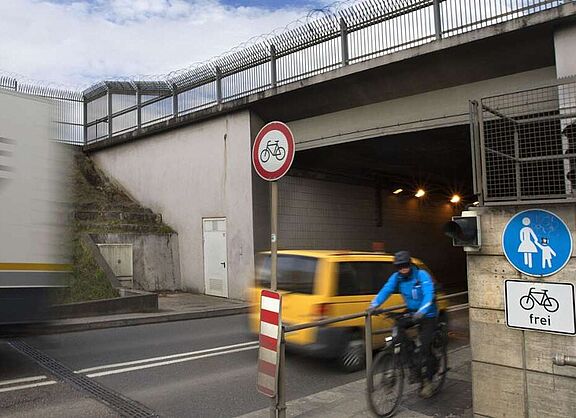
[{"x": 417, "y": 289}]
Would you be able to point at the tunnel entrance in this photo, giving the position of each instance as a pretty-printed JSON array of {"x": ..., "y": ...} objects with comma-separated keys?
[{"x": 362, "y": 195}]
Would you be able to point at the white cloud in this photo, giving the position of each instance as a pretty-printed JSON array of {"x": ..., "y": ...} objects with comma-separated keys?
[{"x": 75, "y": 43}]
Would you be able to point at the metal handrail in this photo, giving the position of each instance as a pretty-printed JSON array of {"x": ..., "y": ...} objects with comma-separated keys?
[
  {"x": 298, "y": 327},
  {"x": 278, "y": 408}
]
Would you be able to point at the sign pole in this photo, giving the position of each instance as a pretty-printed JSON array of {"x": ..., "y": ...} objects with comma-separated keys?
[
  {"x": 273, "y": 268},
  {"x": 273, "y": 235},
  {"x": 272, "y": 155}
]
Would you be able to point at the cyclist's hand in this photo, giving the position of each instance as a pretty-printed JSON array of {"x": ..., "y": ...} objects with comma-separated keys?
[{"x": 417, "y": 316}]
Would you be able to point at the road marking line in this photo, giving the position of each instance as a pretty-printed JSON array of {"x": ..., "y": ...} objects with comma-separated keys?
[
  {"x": 33, "y": 385},
  {"x": 165, "y": 363},
  {"x": 211, "y": 352},
  {"x": 172, "y": 356},
  {"x": 22, "y": 380}
]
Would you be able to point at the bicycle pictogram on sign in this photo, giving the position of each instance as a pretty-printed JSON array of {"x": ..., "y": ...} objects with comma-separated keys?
[
  {"x": 272, "y": 148},
  {"x": 527, "y": 302}
]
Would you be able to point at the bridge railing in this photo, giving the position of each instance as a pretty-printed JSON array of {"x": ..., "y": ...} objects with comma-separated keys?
[
  {"x": 338, "y": 38},
  {"x": 67, "y": 108}
]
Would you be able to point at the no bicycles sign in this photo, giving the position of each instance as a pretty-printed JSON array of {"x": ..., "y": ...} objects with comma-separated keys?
[{"x": 273, "y": 151}]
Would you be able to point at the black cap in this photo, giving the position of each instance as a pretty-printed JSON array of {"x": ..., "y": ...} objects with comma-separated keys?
[{"x": 402, "y": 257}]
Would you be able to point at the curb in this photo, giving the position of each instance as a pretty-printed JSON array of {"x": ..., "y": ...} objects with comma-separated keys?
[{"x": 92, "y": 323}]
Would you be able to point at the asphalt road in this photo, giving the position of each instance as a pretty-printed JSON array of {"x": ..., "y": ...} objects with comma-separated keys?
[
  {"x": 202, "y": 367},
  {"x": 197, "y": 368}
]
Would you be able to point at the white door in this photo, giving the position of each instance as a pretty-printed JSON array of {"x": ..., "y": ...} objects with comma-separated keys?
[{"x": 215, "y": 261}]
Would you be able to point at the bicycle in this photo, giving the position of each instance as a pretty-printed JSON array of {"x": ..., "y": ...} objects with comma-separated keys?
[
  {"x": 272, "y": 148},
  {"x": 549, "y": 303},
  {"x": 386, "y": 376}
]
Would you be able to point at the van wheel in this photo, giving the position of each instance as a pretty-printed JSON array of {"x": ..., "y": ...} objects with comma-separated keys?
[{"x": 353, "y": 358}]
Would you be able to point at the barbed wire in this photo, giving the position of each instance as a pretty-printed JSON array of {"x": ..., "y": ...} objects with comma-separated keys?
[{"x": 315, "y": 20}]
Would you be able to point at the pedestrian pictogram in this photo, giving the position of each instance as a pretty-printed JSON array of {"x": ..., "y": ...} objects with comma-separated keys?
[
  {"x": 269, "y": 352},
  {"x": 273, "y": 151},
  {"x": 537, "y": 242},
  {"x": 540, "y": 306}
]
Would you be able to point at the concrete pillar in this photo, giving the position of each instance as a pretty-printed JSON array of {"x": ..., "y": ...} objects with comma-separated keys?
[{"x": 513, "y": 371}]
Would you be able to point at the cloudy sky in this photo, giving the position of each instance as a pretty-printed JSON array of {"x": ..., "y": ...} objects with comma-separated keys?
[{"x": 73, "y": 43}]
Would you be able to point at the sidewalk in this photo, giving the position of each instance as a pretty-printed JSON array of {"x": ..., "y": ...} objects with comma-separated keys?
[
  {"x": 172, "y": 307},
  {"x": 455, "y": 400}
]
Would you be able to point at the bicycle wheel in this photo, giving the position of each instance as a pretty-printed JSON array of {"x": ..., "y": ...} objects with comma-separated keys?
[
  {"x": 387, "y": 377},
  {"x": 439, "y": 350},
  {"x": 551, "y": 305},
  {"x": 280, "y": 154},
  {"x": 526, "y": 302},
  {"x": 265, "y": 155}
]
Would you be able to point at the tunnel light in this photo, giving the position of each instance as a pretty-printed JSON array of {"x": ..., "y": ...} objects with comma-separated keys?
[
  {"x": 420, "y": 193},
  {"x": 397, "y": 191},
  {"x": 455, "y": 199}
]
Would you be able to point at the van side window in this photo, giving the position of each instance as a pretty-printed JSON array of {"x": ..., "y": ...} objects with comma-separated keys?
[
  {"x": 294, "y": 273},
  {"x": 362, "y": 277}
]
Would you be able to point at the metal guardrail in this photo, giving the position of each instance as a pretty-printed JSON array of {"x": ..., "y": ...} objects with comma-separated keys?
[{"x": 279, "y": 410}]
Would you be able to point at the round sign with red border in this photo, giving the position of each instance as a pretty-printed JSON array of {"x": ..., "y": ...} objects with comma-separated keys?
[{"x": 273, "y": 151}]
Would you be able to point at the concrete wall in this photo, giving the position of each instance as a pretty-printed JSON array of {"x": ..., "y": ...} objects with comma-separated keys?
[
  {"x": 512, "y": 370},
  {"x": 197, "y": 171},
  {"x": 317, "y": 214},
  {"x": 443, "y": 107},
  {"x": 564, "y": 41},
  {"x": 155, "y": 257}
]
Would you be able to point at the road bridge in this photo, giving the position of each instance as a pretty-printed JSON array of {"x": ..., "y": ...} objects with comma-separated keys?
[
  {"x": 368, "y": 122},
  {"x": 363, "y": 130}
]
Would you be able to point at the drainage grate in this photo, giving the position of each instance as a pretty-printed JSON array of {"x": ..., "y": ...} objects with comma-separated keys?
[{"x": 126, "y": 407}]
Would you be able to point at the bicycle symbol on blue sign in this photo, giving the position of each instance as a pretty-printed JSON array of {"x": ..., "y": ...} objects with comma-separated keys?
[{"x": 537, "y": 242}]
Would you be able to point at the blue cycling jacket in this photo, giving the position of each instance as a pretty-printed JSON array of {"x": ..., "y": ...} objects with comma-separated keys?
[{"x": 417, "y": 289}]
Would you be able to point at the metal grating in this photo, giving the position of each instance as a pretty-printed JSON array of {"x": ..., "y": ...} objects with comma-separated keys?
[
  {"x": 124, "y": 406},
  {"x": 527, "y": 145}
]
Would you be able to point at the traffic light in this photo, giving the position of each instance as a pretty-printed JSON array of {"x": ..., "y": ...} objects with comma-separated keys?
[{"x": 464, "y": 231}]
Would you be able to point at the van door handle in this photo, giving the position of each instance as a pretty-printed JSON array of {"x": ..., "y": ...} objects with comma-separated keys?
[{"x": 223, "y": 264}]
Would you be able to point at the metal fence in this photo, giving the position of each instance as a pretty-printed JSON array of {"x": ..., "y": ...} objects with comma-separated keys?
[
  {"x": 525, "y": 145},
  {"x": 341, "y": 37},
  {"x": 67, "y": 108}
]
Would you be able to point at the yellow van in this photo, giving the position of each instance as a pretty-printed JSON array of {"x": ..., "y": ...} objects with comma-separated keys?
[{"x": 322, "y": 284}]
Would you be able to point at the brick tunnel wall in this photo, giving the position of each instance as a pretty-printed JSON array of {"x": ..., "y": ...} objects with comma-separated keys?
[{"x": 316, "y": 214}]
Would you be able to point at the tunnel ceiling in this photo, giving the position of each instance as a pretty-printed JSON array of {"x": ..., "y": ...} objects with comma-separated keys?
[{"x": 438, "y": 160}]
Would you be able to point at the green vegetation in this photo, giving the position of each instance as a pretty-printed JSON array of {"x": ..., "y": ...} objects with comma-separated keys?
[
  {"x": 88, "y": 281},
  {"x": 100, "y": 207}
]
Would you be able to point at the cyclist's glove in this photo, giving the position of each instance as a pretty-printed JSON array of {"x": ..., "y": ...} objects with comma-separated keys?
[{"x": 418, "y": 315}]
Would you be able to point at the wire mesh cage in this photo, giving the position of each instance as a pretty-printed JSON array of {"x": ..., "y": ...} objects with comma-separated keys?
[{"x": 527, "y": 144}]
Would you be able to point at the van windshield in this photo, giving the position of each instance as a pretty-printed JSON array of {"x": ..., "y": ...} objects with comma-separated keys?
[{"x": 294, "y": 273}]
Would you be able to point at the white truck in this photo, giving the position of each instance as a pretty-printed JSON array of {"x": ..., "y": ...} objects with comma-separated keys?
[{"x": 34, "y": 256}]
